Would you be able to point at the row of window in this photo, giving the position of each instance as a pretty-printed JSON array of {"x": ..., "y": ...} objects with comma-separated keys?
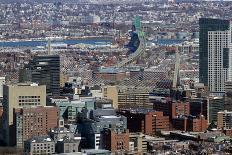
[{"x": 22, "y": 97}]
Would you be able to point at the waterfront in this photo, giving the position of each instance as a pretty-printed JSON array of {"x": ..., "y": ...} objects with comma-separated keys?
[
  {"x": 44, "y": 42},
  {"x": 36, "y": 43}
]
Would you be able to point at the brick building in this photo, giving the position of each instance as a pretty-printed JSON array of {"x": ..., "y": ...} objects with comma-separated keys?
[
  {"x": 190, "y": 123},
  {"x": 145, "y": 121},
  {"x": 116, "y": 141},
  {"x": 171, "y": 108},
  {"x": 33, "y": 121}
]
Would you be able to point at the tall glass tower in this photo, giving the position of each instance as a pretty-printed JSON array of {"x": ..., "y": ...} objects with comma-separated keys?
[
  {"x": 45, "y": 70},
  {"x": 213, "y": 51}
]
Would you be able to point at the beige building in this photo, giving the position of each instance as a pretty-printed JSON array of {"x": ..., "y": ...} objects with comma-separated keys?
[
  {"x": 138, "y": 143},
  {"x": 111, "y": 92},
  {"x": 224, "y": 120},
  {"x": 19, "y": 96},
  {"x": 127, "y": 97}
]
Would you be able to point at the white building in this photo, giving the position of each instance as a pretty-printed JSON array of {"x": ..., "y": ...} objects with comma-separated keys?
[
  {"x": 219, "y": 59},
  {"x": 2, "y": 82}
]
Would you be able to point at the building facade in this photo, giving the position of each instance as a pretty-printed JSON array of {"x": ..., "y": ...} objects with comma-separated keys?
[
  {"x": 45, "y": 70},
  {"x": 39, "y": 145},
  {"x": 127, "y": 97},
  {"x": 19, "y": 96},
  {"x": 145, "y": 121},
  {"x": 33, "y": 121},
  {"x": 116, "y": 141},
  {"x": 224, "y": 120},
  {"x": 206, "y": 43}
]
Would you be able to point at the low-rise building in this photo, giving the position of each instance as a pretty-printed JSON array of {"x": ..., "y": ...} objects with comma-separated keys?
[
  {"x": 39, "y": 145},
  {"x": 145, "y": 121},
  {"x": 190, "y": 123},
  {"x": 68, "y": 145},
  {"x": 115, "y": 140}
]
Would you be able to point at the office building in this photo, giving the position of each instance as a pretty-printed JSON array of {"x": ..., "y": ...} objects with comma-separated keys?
[
  {"x": 224, "y": 120},
  {"x": 39, "y": 145},
  {"x": 45, "y": 70},
  {"x": 198, "y": 106},
  {"x": 190, "y": 123},
  {"x": 145, "y": 121},
  {"x": 214, "y": 52},
  {"x": 170, "y": 108},
  {"x": 127, "y": 97},
  {"x": 102, "y": 118},
  {"x": 33, "y": 121},
  {"x": 215, "y": 105},
  {"x": 19, "y": 96}
]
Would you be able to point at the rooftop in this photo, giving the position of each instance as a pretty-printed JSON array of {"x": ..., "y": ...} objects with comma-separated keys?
[{"x": 40, "y": 139}]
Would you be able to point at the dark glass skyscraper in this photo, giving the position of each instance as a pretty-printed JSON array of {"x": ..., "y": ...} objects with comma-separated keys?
[
  {"x": 206, "y": 25},
  {"x": 45, "y": 70}
]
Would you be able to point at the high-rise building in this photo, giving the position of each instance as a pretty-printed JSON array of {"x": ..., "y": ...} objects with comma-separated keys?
[
  {"x": 19, "y": 96},
  {"x": 33, "y": 121},
  {"x": 45, "y": 70},
  {"x": 214, "y": 47}
]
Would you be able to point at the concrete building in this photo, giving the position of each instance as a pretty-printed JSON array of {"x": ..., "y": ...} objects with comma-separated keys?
[
  {"x": 127, "y": 97},
  {"x": 110, "y": 92},
  {"x": 101, "y": 118},
  {"x": 224, "y": 120},
  {"x": 39, "y": 145},
  {"x": 214, "y": 53},
  {"x": 19, "y": 96},
  {"x": 68, "y": 145},
  {"x": 33, "y": 121},
  {"x": 145, "y": 121},
  {"x": 58, "y": 133},
  {"x": 138, "y": 143}
]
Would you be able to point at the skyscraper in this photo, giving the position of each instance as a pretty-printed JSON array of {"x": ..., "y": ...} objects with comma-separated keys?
[
  {"x": 214, "y": 50},
  {"x": 45, "y": 70}
]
